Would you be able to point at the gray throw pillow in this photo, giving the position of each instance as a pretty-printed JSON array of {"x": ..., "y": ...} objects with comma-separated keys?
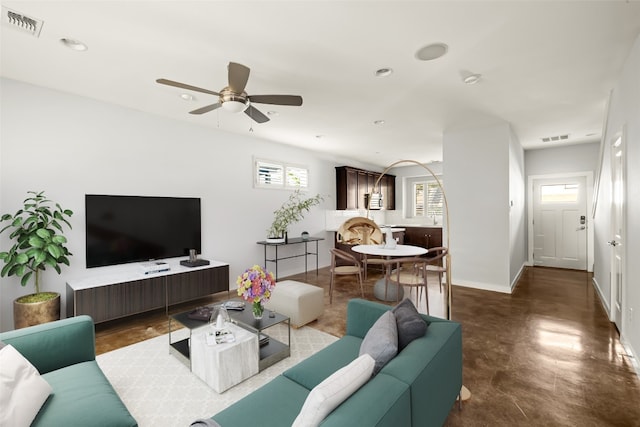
[
  {"x": 381, "y": 342},
  {"x": 410, "y": 324}
]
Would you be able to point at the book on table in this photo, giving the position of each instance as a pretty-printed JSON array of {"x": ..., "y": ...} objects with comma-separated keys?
[{"x": 220, "y": 336}]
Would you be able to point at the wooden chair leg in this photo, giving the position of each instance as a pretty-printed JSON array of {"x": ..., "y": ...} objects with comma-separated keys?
[{"x": 331, "y": 289}]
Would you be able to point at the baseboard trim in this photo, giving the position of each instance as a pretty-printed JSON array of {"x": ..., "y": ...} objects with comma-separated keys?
[
  {"x": 632, "y": 355},
  {"x": 514, "y": 282},
  {"x": 603, "y": 301},
  {"x": 482, "y": 286}
]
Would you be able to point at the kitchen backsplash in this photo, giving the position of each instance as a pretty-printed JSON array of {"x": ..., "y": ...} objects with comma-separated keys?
[{"x": 335, "y": 218}]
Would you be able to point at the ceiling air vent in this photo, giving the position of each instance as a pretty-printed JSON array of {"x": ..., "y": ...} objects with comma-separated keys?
[
  {"x": 555, "y": 138},
  {"x": 21, "y": 22}
]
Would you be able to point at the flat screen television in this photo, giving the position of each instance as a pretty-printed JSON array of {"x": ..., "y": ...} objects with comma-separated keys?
[{"x": 123, "y": 229}]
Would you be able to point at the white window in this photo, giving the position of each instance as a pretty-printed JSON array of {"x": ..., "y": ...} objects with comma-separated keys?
[
  {"x": 424, "y": 198},
  {"x": 273, "y": 174},
  {"x": 563, "y": 193},
  {"x": 297, "y": 177}
]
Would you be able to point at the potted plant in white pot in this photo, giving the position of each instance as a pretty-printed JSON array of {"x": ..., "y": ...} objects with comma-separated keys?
[
  {"x": 38, "y": 242},
  {"x": 289, "y": 213}
]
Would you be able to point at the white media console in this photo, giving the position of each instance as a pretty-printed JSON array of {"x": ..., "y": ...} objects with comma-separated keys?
[{"x": 124, "y": 290}]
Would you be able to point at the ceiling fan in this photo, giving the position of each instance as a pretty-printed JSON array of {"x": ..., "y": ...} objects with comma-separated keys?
[{"x": 233, "y": 97}]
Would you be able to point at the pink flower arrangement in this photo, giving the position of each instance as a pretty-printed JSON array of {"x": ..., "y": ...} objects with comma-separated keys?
[{"x": 256, "y": 284}]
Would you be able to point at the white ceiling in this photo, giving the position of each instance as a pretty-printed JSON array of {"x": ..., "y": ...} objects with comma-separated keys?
[{"x": 547, "y": 66}]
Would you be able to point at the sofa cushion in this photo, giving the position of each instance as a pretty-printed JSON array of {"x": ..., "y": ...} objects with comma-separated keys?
[
  {"x": 382, "y": 402},
  {"x": 334, "y": 390},
  {"x": 410, "y": 324},
  {"x": 275, "y": 404},
  {"x": 82, "y": 396},
  {"x": 22, "y": 389},
  {"x": 381, "y": 342},
  {"x": 314, "y": 369},
  {"x": 432, "y": 365}
]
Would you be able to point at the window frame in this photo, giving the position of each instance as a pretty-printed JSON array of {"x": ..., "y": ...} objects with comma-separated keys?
[
  {"x": 289, "y": 173},
  {"x": 411, "y": 205}
]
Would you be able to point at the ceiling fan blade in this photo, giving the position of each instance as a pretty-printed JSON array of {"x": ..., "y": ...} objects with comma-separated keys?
[
  {"x": 186, "y": 86},
  {"x": 255, "y": 114},
  {"x": 238, "y": 77},
  {"x": 294, "y": 100},
  {"x": 206, "y": 109}
]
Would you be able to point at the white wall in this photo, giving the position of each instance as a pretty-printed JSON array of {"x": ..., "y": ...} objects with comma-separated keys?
[
  {"x": 517, "y": 210},
  {"x": 624, "y": 113},
  {"x": 564, "y": 159},
  {"x": 70, "y": 146},
  {"x": 476, "y": 171}
]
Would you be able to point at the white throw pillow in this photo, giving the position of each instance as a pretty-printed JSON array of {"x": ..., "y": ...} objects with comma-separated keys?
[
  {"x": 22, "y": 390},
  {"x": 334, "y": 390}
]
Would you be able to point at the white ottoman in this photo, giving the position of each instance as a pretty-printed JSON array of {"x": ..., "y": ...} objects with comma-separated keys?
[{"x": 301, "y": 302}]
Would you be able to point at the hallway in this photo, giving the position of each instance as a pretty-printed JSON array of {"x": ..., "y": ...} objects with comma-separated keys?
[{"x": 545, "y": 355}]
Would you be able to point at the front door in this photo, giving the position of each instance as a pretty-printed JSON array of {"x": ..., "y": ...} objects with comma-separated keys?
[
  {"x": 560, "y": 222},
  {"x": 617, "y": 229}
]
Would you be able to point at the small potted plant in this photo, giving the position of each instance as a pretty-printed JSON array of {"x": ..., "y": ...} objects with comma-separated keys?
[
  {"x": 38, "y": 242},
  {"x": 289, "y": 213}
]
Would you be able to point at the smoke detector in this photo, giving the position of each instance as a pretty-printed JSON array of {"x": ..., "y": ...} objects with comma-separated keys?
[{"x": 21, "y": 22}]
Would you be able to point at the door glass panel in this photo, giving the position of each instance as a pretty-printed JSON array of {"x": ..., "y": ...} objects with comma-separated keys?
[{"x": 564, "y": 193}]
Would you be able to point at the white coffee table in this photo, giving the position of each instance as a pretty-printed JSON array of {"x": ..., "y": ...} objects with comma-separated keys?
[{"x": 222, "y": 366}]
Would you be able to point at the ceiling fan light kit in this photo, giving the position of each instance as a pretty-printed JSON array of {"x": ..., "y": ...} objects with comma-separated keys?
[{"x": 233, "y": 97}]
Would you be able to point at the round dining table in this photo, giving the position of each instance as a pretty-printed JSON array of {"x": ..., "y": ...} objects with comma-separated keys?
[{"x": 394, "y": 293}]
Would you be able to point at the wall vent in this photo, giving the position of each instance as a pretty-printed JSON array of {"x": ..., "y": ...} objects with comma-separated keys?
[
  {"x": 555, "y": 138},
  {"x": 21, "y": 22}
]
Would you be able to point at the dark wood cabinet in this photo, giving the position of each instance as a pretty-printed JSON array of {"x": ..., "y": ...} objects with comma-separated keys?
[
  {"x": 427, "y": 237},
  {"x": 352, "y": 184},
  {"x": 106, "y": 300}
]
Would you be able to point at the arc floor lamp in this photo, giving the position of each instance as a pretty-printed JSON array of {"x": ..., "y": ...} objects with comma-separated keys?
[{"x": 464, "y": 392}]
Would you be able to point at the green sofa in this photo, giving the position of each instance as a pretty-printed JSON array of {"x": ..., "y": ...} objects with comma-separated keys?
[
  {"x": 416, "y": 388},
  {"x": 64, "y": 353}
]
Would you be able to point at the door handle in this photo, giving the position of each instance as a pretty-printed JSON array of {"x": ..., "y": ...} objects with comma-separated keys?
[
  {"x": 613, "y": 243},
  {"x": 582, "y": 227}
]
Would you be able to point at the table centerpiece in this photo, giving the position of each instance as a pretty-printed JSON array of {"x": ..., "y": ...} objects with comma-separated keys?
[{"x": 255, "y": 285}]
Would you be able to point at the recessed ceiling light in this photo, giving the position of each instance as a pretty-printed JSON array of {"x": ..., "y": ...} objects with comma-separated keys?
[
  {"x": 74, "y": 44},
  {"x": 432, "y": 51},
  {"x": 187, "y": 97},
  {"x": 319, "y": 136},
  {"x": 272, "y": 113},
  {"x": 383, "y": 72},
  {"x": 378, "y": 122},
  {"x": 472, "y": 79}
]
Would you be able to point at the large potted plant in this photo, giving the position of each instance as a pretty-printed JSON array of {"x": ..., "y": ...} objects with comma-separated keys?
[
  {"x": 38, "y": 242},
  {"x": 290, "y": 212}
]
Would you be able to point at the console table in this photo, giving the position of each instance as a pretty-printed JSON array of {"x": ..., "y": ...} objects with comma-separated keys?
[
  {"x": 123, "y": 290},
  {"x": 292, "y": 241}
]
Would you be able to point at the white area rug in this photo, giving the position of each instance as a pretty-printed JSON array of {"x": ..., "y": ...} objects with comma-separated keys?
[{"x": 160, "y": 391}]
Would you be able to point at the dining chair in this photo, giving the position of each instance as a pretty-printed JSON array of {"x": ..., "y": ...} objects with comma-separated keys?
[
  {"x": 410, "y": 272},
  {"x": 437, "y": 262},
  {"x": 353, "y": 267}
]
